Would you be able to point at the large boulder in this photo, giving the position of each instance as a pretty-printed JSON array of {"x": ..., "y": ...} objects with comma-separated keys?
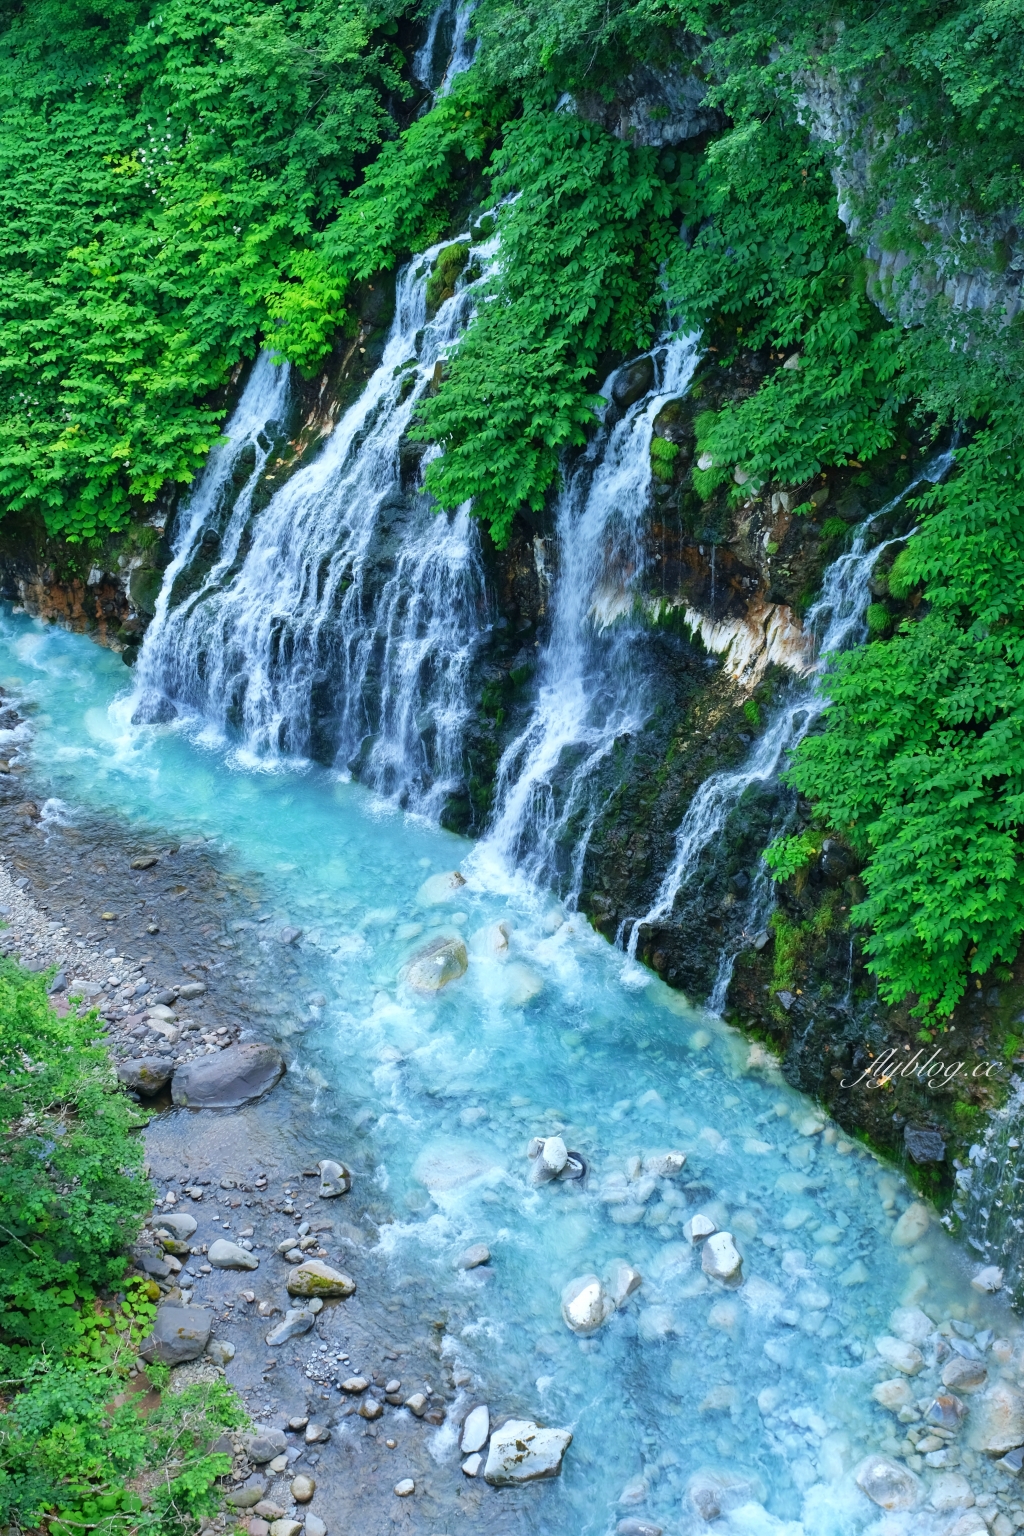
[
  {"x": 435, "y": 965},
  {"x": 229, "y": 1078},
  {"x": 179, "y": 1334},
  {"x": 997, "y": 1420},
  {"x": 314, "y": 1278},
  {"x": 146, "y": 1074},
  {"x": 437, "y": 889},
  {"x": 523, "y": 1452},
  {"x": 887, "y": 1483},
  {"x": 633, "y": 381}
]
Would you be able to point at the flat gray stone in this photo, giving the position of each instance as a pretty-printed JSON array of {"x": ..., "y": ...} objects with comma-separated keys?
[
  {"x": 228, "y": 1079},
  {"x": 225, "y": 1255},
  {"x": 179, "y": 1334},
  {"x": 296, "y": 1320},
  {"x": 264, "y": 1445},
  {"x": 180, "y": 1224}
]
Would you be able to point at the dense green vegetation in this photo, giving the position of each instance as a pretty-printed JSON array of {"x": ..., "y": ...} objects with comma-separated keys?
[
  {"x": 183, "y": 182},
  {"x": 159, "y": 167},
  {"x": 72, "y": 1196}
]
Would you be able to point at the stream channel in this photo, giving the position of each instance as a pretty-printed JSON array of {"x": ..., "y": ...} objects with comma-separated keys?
[{"x": 770, "y": 1382}]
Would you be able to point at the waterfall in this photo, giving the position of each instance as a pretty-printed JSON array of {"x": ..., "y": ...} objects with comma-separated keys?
[
  {"x": 591, "y": 686},
  {"x": 339, "y": 622},
  {"x": 447, "y": 49},
  {"x": 836, "y": 621}
]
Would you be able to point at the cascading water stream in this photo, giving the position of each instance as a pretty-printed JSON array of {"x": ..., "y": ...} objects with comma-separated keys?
[
  {"x": 592, "y": 687},
  {"x": 447, "y": 49},
  {"x": 292, "y": 641},
  {"x": 835, "y": 623}
]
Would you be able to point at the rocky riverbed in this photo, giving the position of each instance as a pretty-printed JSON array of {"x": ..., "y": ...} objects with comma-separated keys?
[{"x": 347, "y": 1392}]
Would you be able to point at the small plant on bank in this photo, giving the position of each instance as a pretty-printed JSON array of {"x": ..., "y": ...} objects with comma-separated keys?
[{"x": 75, "y": 1452}]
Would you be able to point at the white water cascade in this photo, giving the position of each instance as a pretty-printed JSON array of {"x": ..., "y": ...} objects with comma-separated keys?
[
  {"x": 836, "y": 622},
  {"x": 292, "y": 641},
  {"x": 447, "y": 49},
  {"x": 592, "y": 686}
]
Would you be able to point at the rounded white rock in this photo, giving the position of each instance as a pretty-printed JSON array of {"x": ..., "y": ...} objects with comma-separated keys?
[{"x": 586, "y": 1305}]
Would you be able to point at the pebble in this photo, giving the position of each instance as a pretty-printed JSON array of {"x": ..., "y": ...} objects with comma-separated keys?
[
  {"x": 285, "y": 1527},
  {"x": 887, "y": 1483},
  {"x": 472, "y": 1464},
  {"x": 220, "y": 1351},
  {"x": 315, "y": 1526},
  {"x": 699, "y": 1227},
  {"x": 912, "y": 1226},
  {"x": 354, "y": 1384},
  {"x": 997, "y": 1420},
  {"x": 298, "y": 1422},
  {"x": 417, "y": 1404},
  {"x": 550, "y": 1160},
  {"x": 316, "y": 1433},
  {"x": 369, "y": 1408},
  {"x": 622, "y": 1280},
  {"x": 405, "y": 1488},
  {"x": 297, "y": 1320},
  {"x": 335, "y": 1179},
  {"x": 894, "y": 1394},
  {"x": 903, "y": 1357},
  {"x": 963, "y": 1375}
]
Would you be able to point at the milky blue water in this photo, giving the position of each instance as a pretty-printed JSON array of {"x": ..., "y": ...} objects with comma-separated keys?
[{"x": 768, "y": 1384}]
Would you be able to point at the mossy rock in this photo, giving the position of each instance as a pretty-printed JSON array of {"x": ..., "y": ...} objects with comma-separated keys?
[
  {"x": 144, "y": 585},
  {"x": 448, "y": 268}
]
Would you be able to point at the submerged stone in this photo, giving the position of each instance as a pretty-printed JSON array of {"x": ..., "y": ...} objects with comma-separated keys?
[{"x": 437, "y": 964}]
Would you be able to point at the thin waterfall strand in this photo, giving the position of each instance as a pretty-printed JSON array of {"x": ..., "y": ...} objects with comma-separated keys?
[
  {"x": 838, "y": 617},
  {"x": 592, "y": 688}
]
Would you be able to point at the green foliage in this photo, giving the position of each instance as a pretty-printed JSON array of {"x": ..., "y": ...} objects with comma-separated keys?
[
  {"x": 581, "y": 246},
  {"x": 922, "y": 758},
  {"x": 72, "y": 1198},
  {"x": 158, "y": 171},
  {"x": 72, "y": 1193},
  {"x": 787, "y": 855},
  {"x": 771, "y": 267},
  {"x": 403, "y": 204},
  {"x": 752, "y": 712},
  {"x": 877, "y": 619},
  {"x": 663, "y": 457}
]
